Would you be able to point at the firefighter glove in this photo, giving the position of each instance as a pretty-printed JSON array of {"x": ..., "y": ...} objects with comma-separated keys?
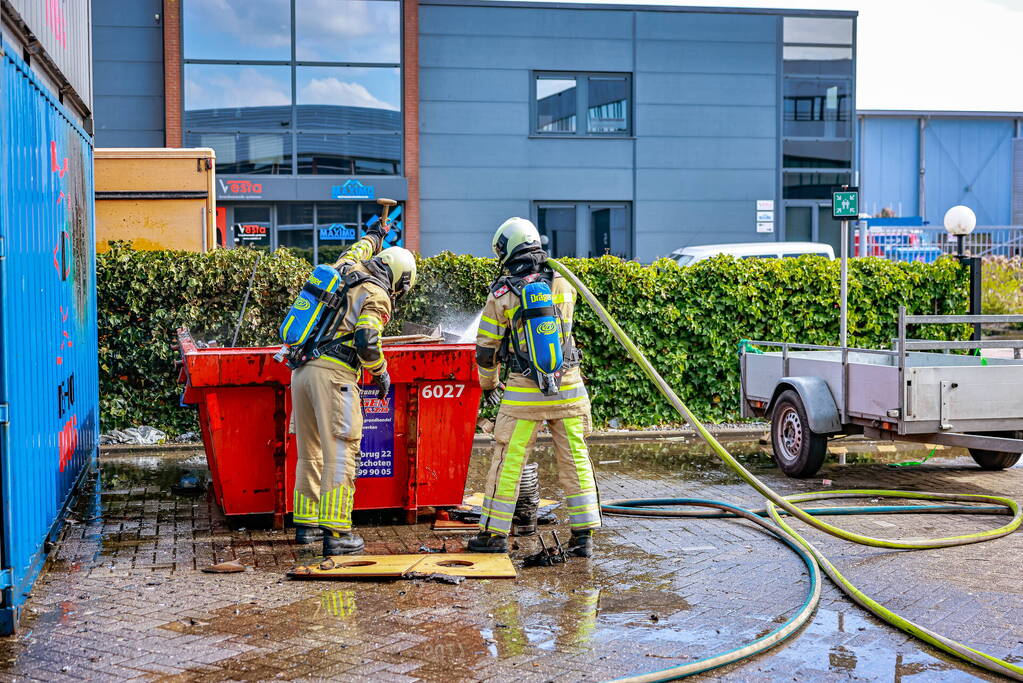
[
  {"x": 383, "y": 382},
  {"x": 492, "y": 397}
]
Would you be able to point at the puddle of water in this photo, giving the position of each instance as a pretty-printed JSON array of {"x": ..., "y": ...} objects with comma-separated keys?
[{"x": 863, "y": 656}]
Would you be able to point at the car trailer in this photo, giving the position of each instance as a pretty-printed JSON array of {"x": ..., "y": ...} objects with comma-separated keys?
[{"x": 917, "y": 391}]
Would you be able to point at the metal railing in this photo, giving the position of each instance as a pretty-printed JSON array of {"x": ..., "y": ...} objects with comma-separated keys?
[{"x": 927, "y": 243}]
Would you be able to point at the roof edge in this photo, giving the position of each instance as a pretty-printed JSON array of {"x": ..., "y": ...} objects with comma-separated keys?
[
  {"x": 937, "y": 114},
  {"x": 844, "y": 14}
]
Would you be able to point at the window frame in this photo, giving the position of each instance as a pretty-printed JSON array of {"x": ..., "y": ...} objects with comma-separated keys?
[
  {"x": 293, "y": 130},
  {"x": 582, "y": 89},
  {"x": 584, "y": 219},
  {"x": 848, "y": 79}
]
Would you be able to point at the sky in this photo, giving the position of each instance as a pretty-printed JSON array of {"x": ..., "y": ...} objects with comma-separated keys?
[
  {"x": 326, "y": 30},
  {"x": 947, "y": 55}
]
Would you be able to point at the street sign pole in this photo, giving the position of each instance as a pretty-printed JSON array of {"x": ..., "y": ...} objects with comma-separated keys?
[
  {"x": 845, "y": 203},
  {"x": 844, "y": 326}
]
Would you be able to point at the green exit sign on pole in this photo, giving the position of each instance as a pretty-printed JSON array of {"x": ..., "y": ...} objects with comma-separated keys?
[{"x": 845, "y": 202}]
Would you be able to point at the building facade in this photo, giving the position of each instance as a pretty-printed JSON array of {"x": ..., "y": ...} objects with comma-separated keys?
[
  {"x": 629, "y": 130},
  {"x": 921, "y": 163},
  {"x": 302, "y": 102}
]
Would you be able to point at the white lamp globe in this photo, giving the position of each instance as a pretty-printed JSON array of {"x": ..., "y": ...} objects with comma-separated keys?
[{"x": 960, "y": 220}]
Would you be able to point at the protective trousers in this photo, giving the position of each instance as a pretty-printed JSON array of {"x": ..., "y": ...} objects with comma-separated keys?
[
  {"x": 327, "y": 412},
  {"x": 514, "y": 439}
]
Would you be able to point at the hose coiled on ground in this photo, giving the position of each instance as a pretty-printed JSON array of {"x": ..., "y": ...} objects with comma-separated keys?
[{"x": 785, "y": 532}]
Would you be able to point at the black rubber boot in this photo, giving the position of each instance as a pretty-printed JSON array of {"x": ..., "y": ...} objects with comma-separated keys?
[
  {"x": 581, "y": 544},
  {"x": 341, "y": 543},
  {"x": 524, "y": 525},
  {"x": 304, "y": 535},
  {"x": 487, "y": 542}
]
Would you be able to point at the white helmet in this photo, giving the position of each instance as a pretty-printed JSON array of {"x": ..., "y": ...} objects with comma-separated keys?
[
  {"x": 402, "y": 265},
  {"x": 512, "y": 236}
]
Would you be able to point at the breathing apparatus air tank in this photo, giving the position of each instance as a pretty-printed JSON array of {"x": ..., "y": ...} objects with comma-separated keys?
[
  {"x": 541, "y": 325},
  {"x": 312, "y": 314}
]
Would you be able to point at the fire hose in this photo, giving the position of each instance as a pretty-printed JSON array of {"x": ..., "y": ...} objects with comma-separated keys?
[{"x": 778, "y": 507}]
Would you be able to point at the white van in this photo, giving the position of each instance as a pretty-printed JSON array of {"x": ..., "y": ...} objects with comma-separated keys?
[{"x": 744, "y": 250}]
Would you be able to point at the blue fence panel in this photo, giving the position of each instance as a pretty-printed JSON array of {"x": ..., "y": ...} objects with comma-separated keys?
[
  {"x": 925, "y": 254},
  {"x": 48, "y": 361}
]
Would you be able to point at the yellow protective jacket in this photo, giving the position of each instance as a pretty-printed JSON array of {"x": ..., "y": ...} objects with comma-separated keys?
[
  {"x": 367, "y": 309},
  {"x": 522, "y": 397}
]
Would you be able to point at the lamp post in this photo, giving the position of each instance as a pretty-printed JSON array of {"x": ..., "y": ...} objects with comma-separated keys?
[{"x": 960, "y": 221}]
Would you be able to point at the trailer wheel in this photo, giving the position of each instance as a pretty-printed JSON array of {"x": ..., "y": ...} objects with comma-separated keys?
[
  {"x": 996, "y": 460},
  {"x": 798, "y": 451}
]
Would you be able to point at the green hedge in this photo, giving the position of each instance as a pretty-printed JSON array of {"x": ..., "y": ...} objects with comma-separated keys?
[
  {"x": 1002, "y": 292},
  {"x": 144, "y": 296},
  {"x": 687, "y": 320}
]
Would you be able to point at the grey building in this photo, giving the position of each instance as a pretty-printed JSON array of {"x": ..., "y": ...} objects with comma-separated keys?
[{"x": 632, "y": 130}]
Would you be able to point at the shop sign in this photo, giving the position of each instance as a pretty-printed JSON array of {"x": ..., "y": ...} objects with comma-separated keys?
[
  {"x": 337, "y": 231},
  {"x": 242, "y": 188},
  {"x": 353, "y": 189}
]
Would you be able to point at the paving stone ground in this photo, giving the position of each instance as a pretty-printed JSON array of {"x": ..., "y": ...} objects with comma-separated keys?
[{"x": 122, "y": 597}]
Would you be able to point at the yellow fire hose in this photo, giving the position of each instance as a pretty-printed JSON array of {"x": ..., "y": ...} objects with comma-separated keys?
[{"x": 784, "y": 531}]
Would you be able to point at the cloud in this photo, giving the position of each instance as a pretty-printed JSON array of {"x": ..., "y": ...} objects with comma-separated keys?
[
  {"x": 218, "y": 87},
  {"x": 263, "y": 23},
  {"x": 332, "y": 90},
  {"x": 361, "y": 30}
]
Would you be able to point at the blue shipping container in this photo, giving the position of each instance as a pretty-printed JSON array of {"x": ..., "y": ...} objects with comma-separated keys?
[{"x": 49, "y": 398}]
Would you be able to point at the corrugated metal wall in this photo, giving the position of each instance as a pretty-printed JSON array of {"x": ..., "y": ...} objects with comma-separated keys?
[
  {"x": 48, "y": 373},
  {"x": 1017, "y": 181},
  {"x": 889, "y": 161},
  {"x": 969, "y": 161},
  {"x": 64, "y": 28},
  {"x": 966, "y": 161}
]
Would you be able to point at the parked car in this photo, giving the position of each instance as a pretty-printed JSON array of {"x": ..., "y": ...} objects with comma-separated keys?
[{"x": 744, "y": 250}]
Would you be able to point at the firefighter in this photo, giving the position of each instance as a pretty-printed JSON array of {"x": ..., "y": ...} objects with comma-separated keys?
[
  {"x": 326, "y": 404},
  {"x": 524, "y": 406}
]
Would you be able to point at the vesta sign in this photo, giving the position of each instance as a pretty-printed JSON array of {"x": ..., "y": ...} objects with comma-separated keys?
[{"x": 246, "y": 187}]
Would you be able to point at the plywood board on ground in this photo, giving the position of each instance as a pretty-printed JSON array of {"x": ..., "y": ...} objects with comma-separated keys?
[
  {"x": 469, "y": 565},
  {"x": 354, "y": 566}
]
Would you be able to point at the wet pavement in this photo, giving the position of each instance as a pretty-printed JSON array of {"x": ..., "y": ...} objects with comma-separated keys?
[{"x": 122, "y": 597}]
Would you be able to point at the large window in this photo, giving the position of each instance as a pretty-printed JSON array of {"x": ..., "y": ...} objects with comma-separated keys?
[
  {"x": 317, "y": 232},
  {"x": 605, "y": 228},
  {"x": 294, "y": 86},
  {"x": 818, "y": 106},
  {"x": 582, "y": 104}
]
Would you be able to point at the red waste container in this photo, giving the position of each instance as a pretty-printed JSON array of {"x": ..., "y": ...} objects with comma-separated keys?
[{"x": 415, "y": 447}]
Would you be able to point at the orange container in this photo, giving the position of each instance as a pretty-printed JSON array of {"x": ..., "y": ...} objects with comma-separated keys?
[{"x": 416, "y": 443}]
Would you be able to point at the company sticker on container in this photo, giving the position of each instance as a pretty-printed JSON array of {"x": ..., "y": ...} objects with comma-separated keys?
[{"x": 377, "y": 434}]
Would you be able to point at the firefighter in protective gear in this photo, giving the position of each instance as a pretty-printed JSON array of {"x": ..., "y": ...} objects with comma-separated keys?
[
  {"x": 524, "y": 406},
  {"x": 326, "y": 404}
]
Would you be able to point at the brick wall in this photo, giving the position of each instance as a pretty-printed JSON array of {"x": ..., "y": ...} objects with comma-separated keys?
[
  {"x": 410, "y": 105},
  {"x": 172, "y": 71}
]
